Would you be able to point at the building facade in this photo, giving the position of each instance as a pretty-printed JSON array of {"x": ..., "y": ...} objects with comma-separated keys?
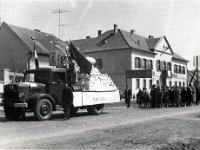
[{"x": 118, "y": 51}]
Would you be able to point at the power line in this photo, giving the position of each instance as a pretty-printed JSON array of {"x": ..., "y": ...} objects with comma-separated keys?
[{"x": 59, "y": 11}]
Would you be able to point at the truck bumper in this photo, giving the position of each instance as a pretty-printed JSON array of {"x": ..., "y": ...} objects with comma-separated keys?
[
  {"x": 15, "y": 105},
  {"x": 20, "y": 105}
]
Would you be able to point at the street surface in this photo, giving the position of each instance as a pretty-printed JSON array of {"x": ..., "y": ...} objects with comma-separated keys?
[{"x": 112, "y": 129}]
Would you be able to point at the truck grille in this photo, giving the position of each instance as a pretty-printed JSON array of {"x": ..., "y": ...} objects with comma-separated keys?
[{"x": 11, "y": 91}]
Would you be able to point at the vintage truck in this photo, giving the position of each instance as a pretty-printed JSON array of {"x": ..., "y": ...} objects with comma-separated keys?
[{"x": 41, "y": 93}]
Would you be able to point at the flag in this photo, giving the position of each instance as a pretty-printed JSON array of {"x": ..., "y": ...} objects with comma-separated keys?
[{"x": 36, "y": 60}]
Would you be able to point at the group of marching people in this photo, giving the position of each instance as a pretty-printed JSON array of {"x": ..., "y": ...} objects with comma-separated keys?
[{"x": 167, "y": 97}]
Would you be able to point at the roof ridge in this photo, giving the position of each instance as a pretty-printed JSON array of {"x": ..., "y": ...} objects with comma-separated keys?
[{"x": 120, "y": 31}]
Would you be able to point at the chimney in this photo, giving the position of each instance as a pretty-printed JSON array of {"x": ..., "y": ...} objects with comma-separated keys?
[
  {"x": 115, "y": 28},
  {"x": 151, "y": 37},
  {"x": 37, "y": 30},
  {"x": 88, "y": 37},
  {"x": 132, "y": 31},
  {"x": 99, "y": 32}
]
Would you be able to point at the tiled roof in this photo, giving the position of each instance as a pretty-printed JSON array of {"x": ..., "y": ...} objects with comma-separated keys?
[
  {"x": 106, "y": 41},
  {"x": 176, "y": 56},
  {"x": 136, "y": 41},
  {"x": 152, "y": 42},
  {"x": 44, "y": 42}
]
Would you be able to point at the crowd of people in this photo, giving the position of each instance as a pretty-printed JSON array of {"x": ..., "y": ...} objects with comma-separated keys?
[{"x": 159, "y": 97}]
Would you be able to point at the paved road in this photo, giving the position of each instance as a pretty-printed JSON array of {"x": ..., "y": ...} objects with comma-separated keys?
[{"x": 31, "y": 131}]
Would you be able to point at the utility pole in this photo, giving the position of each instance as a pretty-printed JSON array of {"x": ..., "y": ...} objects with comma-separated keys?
[
  {"x": 59, "y": 11},
  {"x": 197, "y": 59},
  {"x": 61, "y": 30}
]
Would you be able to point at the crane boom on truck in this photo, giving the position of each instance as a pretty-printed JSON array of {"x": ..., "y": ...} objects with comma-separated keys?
[{"x": 41, "y": 93}]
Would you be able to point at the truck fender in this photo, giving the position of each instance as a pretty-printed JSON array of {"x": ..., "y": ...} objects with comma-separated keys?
[{"x": 37, "y": 97}]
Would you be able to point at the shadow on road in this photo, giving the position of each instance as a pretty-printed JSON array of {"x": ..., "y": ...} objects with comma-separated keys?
[{"x": 55, "y": 116}]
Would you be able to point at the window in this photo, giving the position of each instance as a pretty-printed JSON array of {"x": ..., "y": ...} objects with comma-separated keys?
[
  {"x": 137, "y": 62},
  {"x": 183, "y": 84},
  {"x": 158, "y": 65},
  {"x": 179, "y": 69},
  {"x": 169, "y": 66},
  {"x": 150, "y": 65},
  {"x": 175, "y": 83},
  {"x": 179, "y": 84},
  {"x": 164, "y": 65},
  {"x": 150, "y": 84},
  {"x": 157, "y": 82},
  {"x": 144, "y": 83},
  {"x": 145, "y": 63},
  {"x": 170, "y": 84},
  {"x": 175, "y": 69},
  {"x": 183, "y": 70},
  {"x": 137, "y": 83},
  {"x": 99, "y": 63}
]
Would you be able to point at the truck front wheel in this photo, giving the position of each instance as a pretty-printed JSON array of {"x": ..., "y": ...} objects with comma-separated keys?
[
  {"x": 14, "y": 113},
  {"x": 95, "y": 109},
  {"x": 43, "y": 110}
]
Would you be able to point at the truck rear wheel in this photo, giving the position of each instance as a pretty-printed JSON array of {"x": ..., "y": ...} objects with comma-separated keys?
[
  {"x": 95, "y": 109},
  {"x": 43, "y": 110},
  {"x": 12, "y": 113}
]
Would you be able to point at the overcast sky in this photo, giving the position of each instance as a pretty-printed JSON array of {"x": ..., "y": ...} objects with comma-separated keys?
[{"x": 178, "y": 20}]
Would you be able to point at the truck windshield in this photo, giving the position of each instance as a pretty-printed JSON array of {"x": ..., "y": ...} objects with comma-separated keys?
[{"x": 38, "y": 76}]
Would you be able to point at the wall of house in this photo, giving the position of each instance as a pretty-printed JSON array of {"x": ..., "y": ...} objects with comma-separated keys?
[
  {"x": 142, "y": 55},
  {"x": 13, "y": 53},
  {"x": 115, "y": 62},
  {"x": 43, "y": 61},
  {"x": 179, "y": 77}
]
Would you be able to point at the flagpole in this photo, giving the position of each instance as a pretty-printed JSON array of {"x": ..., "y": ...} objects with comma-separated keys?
[{"x": 35, "y": 53}]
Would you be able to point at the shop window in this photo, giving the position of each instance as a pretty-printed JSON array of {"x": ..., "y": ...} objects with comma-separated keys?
[
  {"x": 179, "y": 84},
  {"x": 150, "y": 84},
  {"x": 137, "y": 83},
  {"x": 144, "y": 83}
]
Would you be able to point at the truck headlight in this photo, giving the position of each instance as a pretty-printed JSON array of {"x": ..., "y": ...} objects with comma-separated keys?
[{"x": 21, "y": 95}]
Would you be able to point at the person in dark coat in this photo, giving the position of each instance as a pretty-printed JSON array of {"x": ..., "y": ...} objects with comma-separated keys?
[
  {"x": 128, "y": 96},
  {"x": 146, "y": 98},
  {"x": 139, "y": 97},
  {"x": 153, "y": 95},
  {"x": 67, "y": 101},
  {"x": 189, "y": 96},
  {"x": 159, "y": 97},
  {"x": 183, "y": 96},
  {"x": 177, "y": 96},
  {"x": 166, "y": 100},
  {"x": 197, "y": 95},
  {"x": 171, "y": 96}
]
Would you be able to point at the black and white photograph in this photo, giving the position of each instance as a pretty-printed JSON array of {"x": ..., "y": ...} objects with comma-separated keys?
[{"x": 100, "y": 74}]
